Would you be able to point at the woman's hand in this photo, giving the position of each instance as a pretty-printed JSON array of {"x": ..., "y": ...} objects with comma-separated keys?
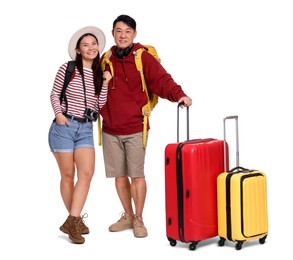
[
  {"x": 61, "y": 119},
  {"x": 106, "y": 78}
]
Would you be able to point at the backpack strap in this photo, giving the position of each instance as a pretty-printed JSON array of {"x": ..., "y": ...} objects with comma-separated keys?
[
  {"x": 68, "y": 75},
  {"x": 138, "y": 63},
  {"x": 99, "y": 131},
  {"x": 146, "y": 109},
  {"x": 105, "y": 61}
]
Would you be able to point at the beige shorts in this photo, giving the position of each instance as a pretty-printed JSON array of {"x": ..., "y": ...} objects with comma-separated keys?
[{"x": 124, "y": 155}]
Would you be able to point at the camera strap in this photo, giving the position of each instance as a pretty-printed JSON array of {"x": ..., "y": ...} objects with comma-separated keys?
[{"x": 84, "y": 91}]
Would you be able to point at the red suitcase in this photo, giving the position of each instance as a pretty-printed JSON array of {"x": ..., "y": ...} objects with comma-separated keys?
[{"x": 191, "y": 170}]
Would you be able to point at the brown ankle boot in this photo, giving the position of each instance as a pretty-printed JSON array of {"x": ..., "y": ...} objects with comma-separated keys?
[
  {"x": 83, "y": 228},
  {"x": 72, "y": 227},
  {"x": 65, "y": 226}
]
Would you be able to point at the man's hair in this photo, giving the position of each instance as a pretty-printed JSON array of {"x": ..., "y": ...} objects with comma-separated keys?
[{"x": 125, "y": 19}]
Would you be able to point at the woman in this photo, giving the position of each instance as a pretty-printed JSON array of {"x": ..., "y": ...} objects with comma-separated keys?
[{"x": 71, "y": 132}]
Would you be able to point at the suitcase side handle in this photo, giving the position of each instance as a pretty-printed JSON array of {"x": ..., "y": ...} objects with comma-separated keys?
[
  {"x": 237, "y": 140},
  {"x": 187, "y": 121}
]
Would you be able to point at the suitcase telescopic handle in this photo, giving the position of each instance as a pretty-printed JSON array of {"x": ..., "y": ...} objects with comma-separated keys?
[
  {"x": 237, "y": 140},
  {"x": 187, "y": 121}
]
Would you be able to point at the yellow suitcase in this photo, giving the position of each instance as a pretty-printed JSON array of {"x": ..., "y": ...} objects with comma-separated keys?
[{"x": 241, "y": 202}]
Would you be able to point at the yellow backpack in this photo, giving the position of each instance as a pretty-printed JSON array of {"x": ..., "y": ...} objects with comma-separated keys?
[{"x": 152, "y": 98}]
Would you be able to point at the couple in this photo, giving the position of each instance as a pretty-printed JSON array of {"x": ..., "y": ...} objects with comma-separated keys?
[{"x": 119, "y": 99}]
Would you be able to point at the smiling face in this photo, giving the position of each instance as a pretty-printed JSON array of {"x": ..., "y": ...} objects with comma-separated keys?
[
  {"x": 88, "y": 48},
  {"x": 123, "y": 35}
]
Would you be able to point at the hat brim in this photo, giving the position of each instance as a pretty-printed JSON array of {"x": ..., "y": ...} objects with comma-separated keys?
[{"x": 89, "y": 29}]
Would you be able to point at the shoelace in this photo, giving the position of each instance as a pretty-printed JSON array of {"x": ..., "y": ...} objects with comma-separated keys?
[
  {"x": 123, "y": 216},
  {"x": 138, "y": 221},
  {"x": 85, "y": 215},
  {"x": 76, "y": 222}
]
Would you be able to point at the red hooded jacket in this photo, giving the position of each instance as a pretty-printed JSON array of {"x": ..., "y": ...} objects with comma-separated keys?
[{"x": 122, "y": 113}]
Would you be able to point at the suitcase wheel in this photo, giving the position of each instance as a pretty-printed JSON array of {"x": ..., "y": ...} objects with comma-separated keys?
[
  {"x": 238, "y": 245},
  {"x": 221, "y": 242},
  {"x": 192, "y": 245},
  {"x": 263, "y": 239},
  {"x": 172, "y": 241}
]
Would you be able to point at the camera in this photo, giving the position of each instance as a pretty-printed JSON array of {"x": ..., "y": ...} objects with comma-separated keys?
[{"x": 90, "y": 114}]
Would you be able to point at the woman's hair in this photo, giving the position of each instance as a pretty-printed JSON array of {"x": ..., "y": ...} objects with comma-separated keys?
[
  {"x": 125, "y": 19},
  {"x": 96, "y": 66}
]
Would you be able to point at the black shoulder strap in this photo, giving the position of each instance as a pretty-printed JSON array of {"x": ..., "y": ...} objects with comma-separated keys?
[{"x": 68, "y": 74}]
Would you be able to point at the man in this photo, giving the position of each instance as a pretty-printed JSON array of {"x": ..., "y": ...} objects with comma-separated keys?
[{"x": 124, "y": 153}]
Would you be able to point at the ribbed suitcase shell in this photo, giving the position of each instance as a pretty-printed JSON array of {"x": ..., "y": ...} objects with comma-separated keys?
[
  {"x": 191, "y": 189},
  {"x": 242, "y": 206}
]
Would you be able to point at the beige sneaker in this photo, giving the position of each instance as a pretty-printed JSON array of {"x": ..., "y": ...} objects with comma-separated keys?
[
  {"x": 125, "y": 222},
  {"x": 139, "y": 230}
]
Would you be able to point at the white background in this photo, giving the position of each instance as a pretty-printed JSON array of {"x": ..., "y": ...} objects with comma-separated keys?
[{"x": 232, "y": 57}]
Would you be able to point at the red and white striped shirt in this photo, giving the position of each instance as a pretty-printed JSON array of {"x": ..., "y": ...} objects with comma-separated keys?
[{"x": 75, "y": 93}]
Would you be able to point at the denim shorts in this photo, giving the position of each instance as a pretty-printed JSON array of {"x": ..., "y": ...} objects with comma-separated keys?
[{"x": 65, "y": 139}]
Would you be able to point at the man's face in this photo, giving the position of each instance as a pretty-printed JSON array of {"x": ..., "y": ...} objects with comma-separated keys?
[{"x": 123, "y": 35}]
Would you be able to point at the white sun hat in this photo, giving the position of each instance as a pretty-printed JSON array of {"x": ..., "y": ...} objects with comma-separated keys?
[{"x": 88, "y": 29}]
